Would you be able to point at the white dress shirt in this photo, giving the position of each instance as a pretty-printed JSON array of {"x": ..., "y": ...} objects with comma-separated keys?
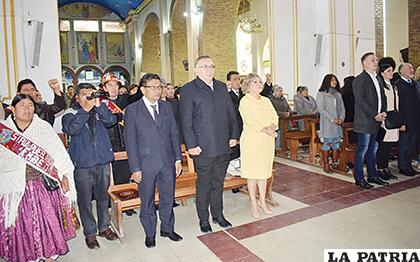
[
  {"x": 378, "y": 89},
  {"x": 148, "y": 106}
]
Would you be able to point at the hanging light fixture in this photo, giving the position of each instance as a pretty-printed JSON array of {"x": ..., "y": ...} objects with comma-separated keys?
[
  {"x": 250, "y": 25},
  {"x": 246, "y": 23}
]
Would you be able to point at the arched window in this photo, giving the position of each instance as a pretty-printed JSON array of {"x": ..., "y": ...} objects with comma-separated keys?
[
  {"x": 89, "y": 74},
  {"x": 121, "y": 73},
  {"x": 243, "y": 51}
]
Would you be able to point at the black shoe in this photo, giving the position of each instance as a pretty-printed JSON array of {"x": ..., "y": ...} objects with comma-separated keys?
[
  {"x": 222, "y": 222},
  {"x": 171, "y": 235},
  {"x": 383, "y": 174},
  {"x": 175, "y": 204},
  {"x": 235, "y": 190},
  {"x": 389, "y": 174},
  {"x": 130, "y": 212},
  {"x": 406, "y": 172},
  {"x": 414, "y": 171},
  {"x": 378, "y": 181},
  {"x": 205, "y": 226},
  {"x": 150, "y": 242},
  {"x": 363, "y": 184},
  {"x": 91, "y": 242}
]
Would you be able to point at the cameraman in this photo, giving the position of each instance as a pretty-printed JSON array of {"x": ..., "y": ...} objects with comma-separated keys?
[{"x": 91, "y": 152}]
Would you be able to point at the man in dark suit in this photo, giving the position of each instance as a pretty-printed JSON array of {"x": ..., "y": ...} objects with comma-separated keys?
[
  {"x": 236, "y": 94},
  {"x": 154, "y": 155},
  {"x": 268, "y": 86},
  {"x": 369, "y": 112},
  {"x": 209, "y": 125},
  {"x": 409, "y": 100}
]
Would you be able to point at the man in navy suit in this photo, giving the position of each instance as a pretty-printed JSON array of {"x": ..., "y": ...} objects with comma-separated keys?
[
  {"x": 209, "y": 125},
  {"x": 409, "y": 97},
  {"x": 154, "y": 156}
]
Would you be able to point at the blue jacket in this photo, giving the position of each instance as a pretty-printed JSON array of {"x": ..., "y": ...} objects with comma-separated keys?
[{"x": 89, "y": 148}]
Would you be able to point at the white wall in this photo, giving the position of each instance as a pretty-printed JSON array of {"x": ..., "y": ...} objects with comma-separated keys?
[
  {"x": 396, "y": 28},
  {"x": 348, "y": 30},
  {"x": 20, "y": 45}
]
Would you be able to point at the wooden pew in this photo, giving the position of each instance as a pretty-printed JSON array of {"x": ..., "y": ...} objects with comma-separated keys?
[
  {"x": 347, "y": 150},
  {"x": 314, "y": 143},
  {"x": 126, "y": 196},
  {"x": 292, "y": 139}
]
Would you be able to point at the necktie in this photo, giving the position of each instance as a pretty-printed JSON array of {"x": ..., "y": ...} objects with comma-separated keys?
[{"x": 155, "y": 113}]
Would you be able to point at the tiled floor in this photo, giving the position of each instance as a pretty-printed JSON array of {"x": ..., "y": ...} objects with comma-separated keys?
[{"x": 316, "y": 211}]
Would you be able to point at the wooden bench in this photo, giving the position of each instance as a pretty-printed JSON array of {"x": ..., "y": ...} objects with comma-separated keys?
[
  {"x": 126, "y": 196},
  {"x": 293, "y": 139},
  {"x": 314, "y": 144},
  {"x": 347, "y": 150}
]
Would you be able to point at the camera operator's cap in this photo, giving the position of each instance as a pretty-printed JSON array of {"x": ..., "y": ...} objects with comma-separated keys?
[{"x": 108, "y": 77}]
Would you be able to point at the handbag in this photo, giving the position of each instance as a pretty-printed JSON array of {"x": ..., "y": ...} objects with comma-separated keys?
[
  {"x": 50, "y": 184},
  {"x": 393, "y": 118}
]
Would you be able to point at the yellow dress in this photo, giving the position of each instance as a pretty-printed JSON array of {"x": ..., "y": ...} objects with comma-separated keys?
[{"x": 257, "y": 148}]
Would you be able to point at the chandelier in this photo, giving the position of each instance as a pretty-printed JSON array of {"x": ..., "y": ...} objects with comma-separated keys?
[{"x": 250, "y": 25}]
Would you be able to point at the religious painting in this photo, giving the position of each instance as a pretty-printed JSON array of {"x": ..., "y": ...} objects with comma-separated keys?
[
  {"x": 83, "y": 10},
  {"x": 87, "y": 48},
  {"x": 64, "y": 48},
  {"x": 115, "y": 51}
]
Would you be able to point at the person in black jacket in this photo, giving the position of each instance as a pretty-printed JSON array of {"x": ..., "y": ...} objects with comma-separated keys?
[
  {"x": 43, "y": 110},
  {"x": 369, "y": 112},
  {"x": 209, "y": 125},
  {"x": 268, "y": 86},
  {"x": 236, "y": 94},
  {"x": 409, "y": 110},
  {"x": 348, "y": 98}
]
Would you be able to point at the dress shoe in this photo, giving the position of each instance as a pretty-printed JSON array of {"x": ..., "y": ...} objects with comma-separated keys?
[
  {"x": 91, "y": 242},
  {"x": 383, "y": 174},
  {"x": 205, "y": 226},
  {"x": 414, "y": 171},
  {"x": 171, "y": 235},
  {"x": 390, "y": 175},
  {"x": 378, "y": 181},
  {"x": 363, "y": 184},
  {"x": 108, "y": 234},
  {"x": 406, "y": 172},
  {"x": 150, "y": 242},
  {"x": 130, "y": 212},
  {"x": 235, "y": 190},
  {"x": 222, "y": 222}
]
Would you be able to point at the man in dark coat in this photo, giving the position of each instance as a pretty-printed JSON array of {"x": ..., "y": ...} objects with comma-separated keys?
[
  {"x": 209, "y": 125},
  {"x": 154, "y": 154},
  {"x": 236, "y": 94},
  {"x": 409, "y": 101},
  {"x": 43, "y": 110},
  {"x": 369, "y": 112}
]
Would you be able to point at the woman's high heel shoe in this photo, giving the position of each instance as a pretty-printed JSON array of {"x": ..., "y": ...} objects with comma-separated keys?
[
  {"x": 266, "y": 210},
  {"x": 254, "y": 212}
]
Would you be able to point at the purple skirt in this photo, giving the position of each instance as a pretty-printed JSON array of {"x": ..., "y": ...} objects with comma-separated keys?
[{"x": 39, "y": 231}]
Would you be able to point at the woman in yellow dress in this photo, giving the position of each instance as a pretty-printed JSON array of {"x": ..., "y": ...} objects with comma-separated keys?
[{"x": 257, "y": 141}]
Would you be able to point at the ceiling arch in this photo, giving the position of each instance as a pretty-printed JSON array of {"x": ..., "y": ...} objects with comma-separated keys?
[{"x": 119, "y": 7}]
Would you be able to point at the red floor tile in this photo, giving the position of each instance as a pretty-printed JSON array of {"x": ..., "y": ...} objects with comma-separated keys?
[{"x": 226, "y": 248}]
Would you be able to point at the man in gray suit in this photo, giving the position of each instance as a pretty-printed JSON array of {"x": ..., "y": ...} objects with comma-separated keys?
[
  {"x": 154, "y": 156},
  {"x": 369, "y": 112},
  {"x": 210, "y": 128}
]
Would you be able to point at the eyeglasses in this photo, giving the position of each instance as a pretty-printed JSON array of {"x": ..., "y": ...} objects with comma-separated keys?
[
  {"x": 154, "y": 88},
  {"x": 207, "y": 66}
]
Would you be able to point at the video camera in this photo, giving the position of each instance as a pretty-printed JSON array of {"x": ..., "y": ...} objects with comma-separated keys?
[{"x": 98, "y": 94}]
